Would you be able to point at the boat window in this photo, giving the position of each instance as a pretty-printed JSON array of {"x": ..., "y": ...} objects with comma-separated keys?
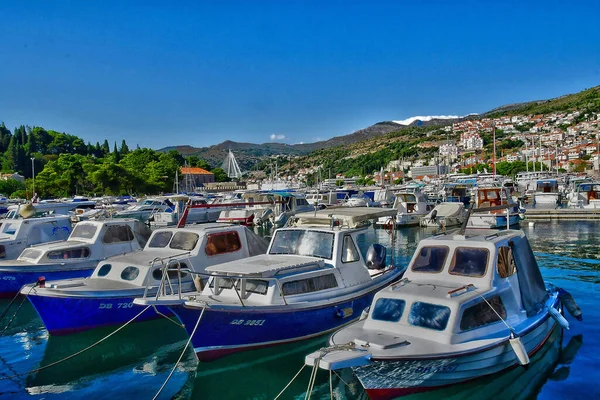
[
  {"x": 431, "y": 259},
  {"x": 349, "y": 252},
  {"x": 388, "y": 309},
  {"x": 171, "y": 272},
  {"x": 104, "y": 270},
  {"x": 303, "y": 243},
  {"x": 84, "y": 231},
  {"x": 254, "y": 286},
  {"x": 224, "y": 283},
  {"x": 506, "y": 262},
  {"x": 482, "y": 314},
  {"x": 117, "y": 234},
  {"x": 431, "y": 316},
  {"x": 160, "y": 239},
  {"x": 30, "y": 254},
  {"x": 9, "y": 229},
  {"x": 219, "y": 243},
  {"x": 80, "y": 252},
  {"x": 469, "y": 261},
  {"x": 184, "y": 241},
  {"x": 308, "y": 285},
  {"x": 130, "y": 273}
]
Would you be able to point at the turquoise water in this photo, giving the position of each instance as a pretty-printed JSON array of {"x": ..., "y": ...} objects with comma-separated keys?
[{"x": 134, "y": 363}]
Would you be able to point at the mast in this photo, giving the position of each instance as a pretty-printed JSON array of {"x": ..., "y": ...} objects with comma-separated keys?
[{"x": 494, "y": 141}]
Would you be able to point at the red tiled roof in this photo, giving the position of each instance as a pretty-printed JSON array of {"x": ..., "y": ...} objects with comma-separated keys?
[{"x": 194, "y": 171}]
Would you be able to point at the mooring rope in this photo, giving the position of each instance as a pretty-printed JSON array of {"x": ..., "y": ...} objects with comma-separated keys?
[
  {"x": 167, "y": 317},
  {"x": 77, "y": 353},
  {"x": 8, "y": 306},
  {"x": 18, "y": 309},
  {"x": 290, "y": 382},
  {"x": 182, "y": 353}
]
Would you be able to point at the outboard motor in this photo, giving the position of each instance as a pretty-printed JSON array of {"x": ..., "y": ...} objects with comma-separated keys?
[
  {"x": 433, "y": 217},
  {"x": 376, "y": 256}
]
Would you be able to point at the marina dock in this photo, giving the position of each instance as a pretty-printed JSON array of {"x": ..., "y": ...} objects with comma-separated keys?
[{"x": 542, "y": 214}]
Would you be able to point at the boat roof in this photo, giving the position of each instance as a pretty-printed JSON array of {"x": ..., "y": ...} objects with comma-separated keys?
[
  {"x": 265, "y": 264},
  {"x": 475, "y": 235},
  {"x": 350, "y": 217}
]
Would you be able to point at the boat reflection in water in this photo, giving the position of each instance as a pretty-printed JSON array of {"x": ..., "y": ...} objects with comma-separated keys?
[
  {"x": 256, "y": 374},
  {"x": 133, "y": 363},
  {"x": 550, "y": 363}
]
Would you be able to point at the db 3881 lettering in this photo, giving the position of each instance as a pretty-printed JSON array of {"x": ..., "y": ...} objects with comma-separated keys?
[{"x": 248, "y": 322}]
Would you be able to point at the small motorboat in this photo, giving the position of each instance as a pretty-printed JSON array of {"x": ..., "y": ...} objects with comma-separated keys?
[
  {"x": 492, "y": 197},
  {"x": 471, "y": 303},
  {"x": 90, "y": 242},
  {"x": 411, "y": 204},
  {"x": 106, "y": 297},
  {"x": 313, "y": 279},
  {"x": 445, "y": 215},
  {"x": 16, "y": 234}
]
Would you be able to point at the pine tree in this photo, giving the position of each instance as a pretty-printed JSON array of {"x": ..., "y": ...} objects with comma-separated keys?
[
  {"x": 105, "y": 148},
  {"x": 124, "y": 149},
  {"x": 116, "y": 154}
]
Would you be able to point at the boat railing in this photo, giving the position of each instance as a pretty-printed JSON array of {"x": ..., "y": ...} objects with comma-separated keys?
[
  {"x": 204, "y": 276},
  {"x": 186, "y": 211},
  {"x": 165, "y": 278}
]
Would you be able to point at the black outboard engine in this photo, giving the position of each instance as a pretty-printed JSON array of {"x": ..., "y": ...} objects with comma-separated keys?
[
  {"x": 433, "y": 217},
  {"x": 376, "y": 256}
]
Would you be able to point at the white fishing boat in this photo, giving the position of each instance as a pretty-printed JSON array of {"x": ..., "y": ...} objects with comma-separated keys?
[
  {"x": 470, "y": 304},
  {"x": 106, "y": 297},
  {"x": 495, "y": 196},
  {"x": 90, "y": 242},
  {"x": 410, "y": 206},
  {"x": 268, "y": 208},
  {"x": 18, "y": 233},
  {"x": 445, "y": 215},
  {"x": 313, "y": 279},
  {"x": 585, "y": 195},
  {"x": 547, "y": 193}
]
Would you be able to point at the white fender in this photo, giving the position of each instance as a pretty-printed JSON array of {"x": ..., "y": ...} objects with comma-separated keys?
[
  {"x": 558, "y": 317},
  {"x": 519, "y": 350}
]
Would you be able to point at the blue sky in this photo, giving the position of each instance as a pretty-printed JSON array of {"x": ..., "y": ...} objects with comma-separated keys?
[{"x": 159, "y": 73}]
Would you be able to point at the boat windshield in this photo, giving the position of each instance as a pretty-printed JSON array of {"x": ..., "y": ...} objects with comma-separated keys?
[
  {"x": 303, "y": 243},
  {"x": 30, "y": 254},
  {"x": 84, "y": 231},
  {"x": 431, "y": 259},
  {"x": 469, "y": 262}
]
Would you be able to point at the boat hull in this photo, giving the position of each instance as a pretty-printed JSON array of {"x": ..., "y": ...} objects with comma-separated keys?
[
  {"x": 390, "y": 379},
  {"x": 226, "y": 330},
  {"x": 11, "y": 280},
  {"x": 493, "y": 221},
  {"x": 66, "y": 315}
]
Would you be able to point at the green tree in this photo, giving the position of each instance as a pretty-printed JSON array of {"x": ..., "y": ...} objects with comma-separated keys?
[
  {"x": 124, "y": 149},
  {"x": 220, "y": 175}
]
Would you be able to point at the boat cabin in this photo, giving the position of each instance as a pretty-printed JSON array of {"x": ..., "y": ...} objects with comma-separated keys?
[
  {"x": 547, "y": 186},
  {"x": 323, "y": 252},
  {"x": 91, "y": 241},
  {"x": 457, "y": 285},
  {"x": 181, "y": 250},
  {"x": 17, "y": 234}
]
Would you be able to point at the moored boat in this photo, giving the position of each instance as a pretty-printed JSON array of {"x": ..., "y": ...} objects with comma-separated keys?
[
  {"x": 470, "y": 304},
  {"x": 445, "y": 215},
  {"x": 106, "y": 298},
  {"x": 90, "y": 242},
  {"x": 312, "y": 280}
]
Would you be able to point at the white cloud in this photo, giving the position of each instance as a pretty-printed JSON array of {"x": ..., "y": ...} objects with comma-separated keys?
[
  {"x": 277, "y": 137},
  {"x": 409, "y": 121}
]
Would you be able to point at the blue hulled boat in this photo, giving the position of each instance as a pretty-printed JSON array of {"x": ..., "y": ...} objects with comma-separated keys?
[
  {"x": 90, "y": 242},
  {"x": 106, "y": 298},
  {"x": 313, "y": 279}
]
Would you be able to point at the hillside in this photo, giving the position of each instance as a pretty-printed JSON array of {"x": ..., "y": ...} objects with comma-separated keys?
[
  {"x": 249, "y": 154},
  {"x": 587, "y": 99}
]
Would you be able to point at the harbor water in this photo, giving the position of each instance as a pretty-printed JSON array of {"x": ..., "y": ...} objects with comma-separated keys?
[{"x": 135, "y": 361}]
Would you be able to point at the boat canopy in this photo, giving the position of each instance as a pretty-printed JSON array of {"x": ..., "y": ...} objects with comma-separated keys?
[
  {"x": 531, "y": 283},
  {"x": 351, "y": 217},
  {"x": 265, "y": 266}
]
